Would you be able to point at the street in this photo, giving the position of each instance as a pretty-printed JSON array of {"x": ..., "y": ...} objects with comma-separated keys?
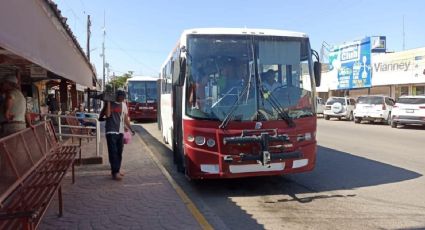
[{"x": 367, "y": 176}]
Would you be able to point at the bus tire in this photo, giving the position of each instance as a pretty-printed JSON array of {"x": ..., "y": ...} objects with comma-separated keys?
[{"x": 181, "y": 162}]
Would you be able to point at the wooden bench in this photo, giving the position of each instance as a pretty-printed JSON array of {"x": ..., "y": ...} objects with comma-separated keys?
[{"x": 32, "y": 166}]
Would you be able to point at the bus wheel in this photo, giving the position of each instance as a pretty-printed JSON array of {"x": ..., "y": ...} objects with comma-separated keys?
[{"x": 181, "y": 162}]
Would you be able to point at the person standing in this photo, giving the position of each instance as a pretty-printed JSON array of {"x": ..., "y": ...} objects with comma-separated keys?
[
  {"x": 117, "y": 122},
  {"x": 13, "y": 111}
]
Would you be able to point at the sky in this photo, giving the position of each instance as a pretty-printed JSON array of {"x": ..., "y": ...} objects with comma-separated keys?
[{"x": 141, "y": 33}]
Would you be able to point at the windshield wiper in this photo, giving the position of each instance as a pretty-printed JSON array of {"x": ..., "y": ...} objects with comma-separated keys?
[
  {"x": 278, "y": 107},
  {"x": 233, "y": 108},
  {"x": 244, "y": 91}
]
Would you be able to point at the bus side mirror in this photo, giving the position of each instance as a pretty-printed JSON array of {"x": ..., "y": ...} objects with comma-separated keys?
[
  {"x": 179, "y": 70},
  {"x": 317, "y": 69}
]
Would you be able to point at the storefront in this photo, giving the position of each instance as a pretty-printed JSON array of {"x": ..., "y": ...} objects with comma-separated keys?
[
  {"x": 403, "y": 72},
  {"x": 354, "y": 71},
  {"x": 38, "y": 47}
]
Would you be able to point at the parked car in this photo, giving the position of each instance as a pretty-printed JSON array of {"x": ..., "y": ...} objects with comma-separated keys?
[
  {"x": 373, "y": 108},
  {"x": 409, "y": 110},
  {"x": 339, "y": 107},
  {"x": 320, "y": 105}
]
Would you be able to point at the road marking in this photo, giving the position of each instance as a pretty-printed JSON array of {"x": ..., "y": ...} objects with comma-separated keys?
[{"x": 202, "y": 221}]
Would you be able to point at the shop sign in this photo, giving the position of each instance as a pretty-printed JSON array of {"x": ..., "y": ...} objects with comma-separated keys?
[
  {"x": 351, "y": 64},
  {"x": 38, "y": 72},
  {"x": 404, "y": 67}
]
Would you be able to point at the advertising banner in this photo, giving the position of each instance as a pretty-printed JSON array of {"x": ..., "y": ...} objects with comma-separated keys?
[
  {"x": 378, "y": 44},
  {"x": 352, "y": 65},
  {"x": 405, "y": 67}
]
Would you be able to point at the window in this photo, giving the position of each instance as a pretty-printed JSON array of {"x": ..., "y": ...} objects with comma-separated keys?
[
  {"x": 401, "y": 91},
  {"x": 166, "y": 81},
  {"x": 411, "y": 100},
  {"x": 374, "y": 100},
  {"x": 333, "y": 100},
  {"x": 420, "y": 90}
]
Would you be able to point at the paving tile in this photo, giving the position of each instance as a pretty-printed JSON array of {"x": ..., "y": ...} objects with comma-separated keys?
[{"x": 144, "y": 199}]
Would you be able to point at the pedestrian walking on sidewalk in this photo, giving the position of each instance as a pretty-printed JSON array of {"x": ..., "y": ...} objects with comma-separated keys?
[{"x": 117, "y": 122}]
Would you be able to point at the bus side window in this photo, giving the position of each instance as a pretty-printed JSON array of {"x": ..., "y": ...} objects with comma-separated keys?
[{"x": 167, "y": 78}]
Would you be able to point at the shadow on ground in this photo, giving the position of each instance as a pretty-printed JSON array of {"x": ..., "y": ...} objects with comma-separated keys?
[{"x": 335, "y": 170}]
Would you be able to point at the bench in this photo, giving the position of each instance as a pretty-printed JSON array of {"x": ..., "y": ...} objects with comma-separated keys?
[
  {"x": 79, "y": 131},
  {"x": 32, "y": 166}
]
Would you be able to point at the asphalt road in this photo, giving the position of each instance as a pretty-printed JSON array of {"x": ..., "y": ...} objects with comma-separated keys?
[{"x": 367, "y": 177}]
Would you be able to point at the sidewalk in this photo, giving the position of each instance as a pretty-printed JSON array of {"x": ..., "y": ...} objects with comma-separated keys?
[{"x": 144, "y": 199}]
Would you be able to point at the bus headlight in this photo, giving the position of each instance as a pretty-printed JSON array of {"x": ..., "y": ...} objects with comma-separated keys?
[
  {"x": 190, "y": 138},
  {"x": 200, "y": 140},
  {"x": 210, "y": 142},
  {"x": 307, "y": 136},
  {"x": 304, "y": 137}
]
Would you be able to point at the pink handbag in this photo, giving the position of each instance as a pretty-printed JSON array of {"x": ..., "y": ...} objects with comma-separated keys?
[{"x": 127, "y": 137}]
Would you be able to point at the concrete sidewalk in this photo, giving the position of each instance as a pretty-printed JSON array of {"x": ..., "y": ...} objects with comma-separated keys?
[{"x": 144, "y": 199}]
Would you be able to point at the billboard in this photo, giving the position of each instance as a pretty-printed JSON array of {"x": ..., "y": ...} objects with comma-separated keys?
[
  {"x": 352, "y": 65},
  {"x": 378, "y": 44},
  {"x": 404, "y": 67}
]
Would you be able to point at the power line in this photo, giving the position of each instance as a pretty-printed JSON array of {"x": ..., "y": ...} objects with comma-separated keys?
[{"x": 129, "y": 55}]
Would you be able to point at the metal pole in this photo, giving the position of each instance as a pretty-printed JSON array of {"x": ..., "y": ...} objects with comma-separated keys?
[
  {"x": 88, "y": 37},
  {"x": 60, "y": 128},
  {"x": 97, "y": 137},
  {"x": 404, "y": 36},
  {"x": 103, "y": 52}
]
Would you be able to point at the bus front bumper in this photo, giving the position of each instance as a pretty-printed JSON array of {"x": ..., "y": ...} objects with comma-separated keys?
[{"x": 210, "y": 165}]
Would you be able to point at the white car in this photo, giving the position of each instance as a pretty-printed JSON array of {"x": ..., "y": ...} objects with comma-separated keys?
[
  {"x": 409, "y": 110},
  {"x": 373, "y": 108},
  {"x": 320, "y": 106},
  {"x": 339, "y": 107}
]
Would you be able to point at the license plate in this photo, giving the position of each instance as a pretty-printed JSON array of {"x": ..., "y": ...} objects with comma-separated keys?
[{"x": 410, "y": 111}]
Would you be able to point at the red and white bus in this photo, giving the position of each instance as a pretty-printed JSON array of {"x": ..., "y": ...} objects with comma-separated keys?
[
  {"x": 142, "y": 97},
  {"x": 240, "y": 102}
]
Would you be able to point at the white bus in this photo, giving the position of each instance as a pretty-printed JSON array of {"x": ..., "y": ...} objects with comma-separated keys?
[
  {"x": 142, "y": 97},
  {"x": 240, "y": 102}
]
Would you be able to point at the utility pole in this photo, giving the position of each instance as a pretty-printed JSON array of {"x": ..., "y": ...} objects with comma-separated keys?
[
  {"x": 88, "y": 58},
  {"x": 404, "y": 35},
  {"x": 88, "y": 37},
  {"x": 103, "y": 52}
]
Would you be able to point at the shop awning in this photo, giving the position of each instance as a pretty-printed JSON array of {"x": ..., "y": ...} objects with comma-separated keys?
[{"x": 32, "y": 29}]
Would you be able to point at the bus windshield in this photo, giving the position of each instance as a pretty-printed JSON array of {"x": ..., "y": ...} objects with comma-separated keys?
[
  {"x": 142, "y": 91},
  {"x": 248, "y": 78}
]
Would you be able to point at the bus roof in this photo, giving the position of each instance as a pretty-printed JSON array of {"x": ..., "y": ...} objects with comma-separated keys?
[
  {"x": 243, "y": 31},
  {"x": 142, "y": 78}
]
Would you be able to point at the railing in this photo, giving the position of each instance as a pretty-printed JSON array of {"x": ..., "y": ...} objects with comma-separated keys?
[{"x": 60, "y": 134}]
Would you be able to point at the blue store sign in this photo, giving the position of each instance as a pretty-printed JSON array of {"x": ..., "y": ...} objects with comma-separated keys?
[{"x": 352, "y": 62}]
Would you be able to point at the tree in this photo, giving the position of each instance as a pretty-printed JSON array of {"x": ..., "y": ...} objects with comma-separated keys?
[{"x": 118, "y": 81}]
